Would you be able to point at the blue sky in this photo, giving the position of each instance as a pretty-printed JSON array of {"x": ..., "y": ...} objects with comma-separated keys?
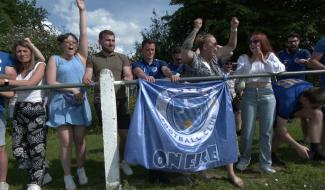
[{"x": 127, "y": 18}]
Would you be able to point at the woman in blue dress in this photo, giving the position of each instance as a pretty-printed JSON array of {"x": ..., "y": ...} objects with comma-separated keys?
[{"x": 69, "y": 110}]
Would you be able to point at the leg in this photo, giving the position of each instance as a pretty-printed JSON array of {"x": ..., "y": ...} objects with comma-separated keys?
[
  {"x": 3, "y": 163},
  {"x": 123, "y": 135},
  {"x": 65, "y": 134},
  {"x": 237, "y": 181},
  {"x": 80, "y": 142},
  {"x": 3, "y": 155},
  {"x": 278, "y": 133},
  {"x": 98, "y": 111},
  {"x": 66, "y": 139},
  {"x": 19, "y": 139},
  {"x": 123, "y": 121},
  {"x": 238, "y": 120},
  {"x": 304, "y": 129},
  {"x": 266, "y": 110},
  {"x": 315, "y": 125},
  {"x": 37, "y": 136},
  {"x": 248, "y": 115}
]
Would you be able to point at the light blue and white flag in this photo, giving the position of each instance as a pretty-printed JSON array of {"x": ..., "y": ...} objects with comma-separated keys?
[{"x": 182, "y": 127}]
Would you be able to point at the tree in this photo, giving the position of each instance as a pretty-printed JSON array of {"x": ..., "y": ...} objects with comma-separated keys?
[
  {"x": 159, "y": 32},
  {"x": 22, "y": 18},
  {"x": 274, "y": 17}
]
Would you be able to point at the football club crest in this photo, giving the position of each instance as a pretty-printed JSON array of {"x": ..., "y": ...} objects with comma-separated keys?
[{"x": 186, "y": 115}]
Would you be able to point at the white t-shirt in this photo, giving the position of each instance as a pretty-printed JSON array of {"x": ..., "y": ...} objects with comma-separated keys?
[{"x": 30, "y": 95}]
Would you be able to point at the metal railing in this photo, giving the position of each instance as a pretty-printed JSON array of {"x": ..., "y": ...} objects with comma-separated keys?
[{"x": 109, "y": 121}]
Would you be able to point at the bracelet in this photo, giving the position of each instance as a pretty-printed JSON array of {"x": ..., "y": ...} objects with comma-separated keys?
[{"x": 233, "y": 29}]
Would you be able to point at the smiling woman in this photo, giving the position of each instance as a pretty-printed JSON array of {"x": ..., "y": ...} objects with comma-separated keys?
[
  {"x": 29, "y": 134},
  {"x": 69, "y": 110}
]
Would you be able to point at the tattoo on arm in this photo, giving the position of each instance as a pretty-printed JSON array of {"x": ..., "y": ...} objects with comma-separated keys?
[{"x": 189, "y": 41}]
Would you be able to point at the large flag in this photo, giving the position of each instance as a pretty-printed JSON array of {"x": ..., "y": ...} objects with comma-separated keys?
[{"x": 182, "y": 127}]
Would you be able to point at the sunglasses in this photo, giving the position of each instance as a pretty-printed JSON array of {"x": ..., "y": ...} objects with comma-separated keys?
[{"x": 254, "y": 41}]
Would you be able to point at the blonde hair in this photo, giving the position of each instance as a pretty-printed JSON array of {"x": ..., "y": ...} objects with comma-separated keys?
[{"x": 201, "y": 39}]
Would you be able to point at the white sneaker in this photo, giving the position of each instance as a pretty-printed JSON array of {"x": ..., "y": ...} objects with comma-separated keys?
[
  {"x": 4, "y": 186},
  {"x": 47, "y": 178},
  {"x": 69, "y": 183},
  {"x": 126, "y": 168},
  {"x": 267, "y": 170},
  {"x": 241, "y": 166},
  {"x": 82, "y": 178},
  {"x": 33, "y": 187}
]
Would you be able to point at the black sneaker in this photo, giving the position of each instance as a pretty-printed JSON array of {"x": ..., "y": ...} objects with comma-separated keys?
[{"x": 276, "y": 160}]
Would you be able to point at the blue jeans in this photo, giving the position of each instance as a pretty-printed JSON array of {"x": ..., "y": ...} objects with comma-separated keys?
[{"x": 258, "y": 102}]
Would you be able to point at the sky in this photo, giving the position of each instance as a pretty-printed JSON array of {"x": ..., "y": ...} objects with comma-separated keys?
[{"x": 126, "y": 18}]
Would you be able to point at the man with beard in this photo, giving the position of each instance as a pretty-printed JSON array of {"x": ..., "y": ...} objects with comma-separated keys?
[
  {"x": 119, "y": 64},
  {"x": 293, "y": 57}
]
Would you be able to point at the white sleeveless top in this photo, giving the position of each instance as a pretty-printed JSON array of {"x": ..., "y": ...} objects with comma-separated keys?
[{"x": 30, "y": 95}]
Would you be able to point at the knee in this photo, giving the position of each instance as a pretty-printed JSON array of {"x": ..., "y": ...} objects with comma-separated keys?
[
  {"x": 66, "y": 143},
  {"x": 80, "y": 142},
  {"x": 3, "y": 149},
  {"x": 318, "y": 115}
]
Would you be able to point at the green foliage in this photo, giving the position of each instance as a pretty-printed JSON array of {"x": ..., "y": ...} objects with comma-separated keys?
[
  {"x": 159, "y": 32},
  {"x": 299, "y": 174},
  {"x": 21, "y": 19},
  {"x": 276, "y": 18},
  {"x": 29, "y": 15}
]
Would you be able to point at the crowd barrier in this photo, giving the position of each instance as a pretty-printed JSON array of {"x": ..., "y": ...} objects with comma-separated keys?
[{"x": 109, "y": 116}]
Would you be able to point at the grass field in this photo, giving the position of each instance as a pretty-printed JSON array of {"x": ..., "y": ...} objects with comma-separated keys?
[{"x": 299, "y": 174}]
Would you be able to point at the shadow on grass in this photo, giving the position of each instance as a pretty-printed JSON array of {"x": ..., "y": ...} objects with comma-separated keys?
[{"x": 18, "y": 178}]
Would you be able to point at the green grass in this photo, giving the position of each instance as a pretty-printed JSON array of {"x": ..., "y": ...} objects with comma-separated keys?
[{"x": 299, "y": 174}]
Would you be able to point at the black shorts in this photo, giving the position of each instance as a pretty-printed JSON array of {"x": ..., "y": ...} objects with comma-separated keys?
[
  {"x": 123, "y": 116},
  {"x": 236, "y": 104}
]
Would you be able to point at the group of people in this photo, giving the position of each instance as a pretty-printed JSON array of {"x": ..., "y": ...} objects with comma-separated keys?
[{"x": 69, "y": 112}]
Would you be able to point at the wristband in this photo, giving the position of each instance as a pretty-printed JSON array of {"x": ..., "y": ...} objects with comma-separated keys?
[{"x": 233, "y": 29}]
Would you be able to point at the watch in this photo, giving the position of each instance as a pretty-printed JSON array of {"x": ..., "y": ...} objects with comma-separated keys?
[{"x": 6, "y": 83}]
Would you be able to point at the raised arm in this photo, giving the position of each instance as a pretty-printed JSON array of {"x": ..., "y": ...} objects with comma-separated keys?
[
  {"x": 35, "y": 50},
  {"x": 187, "y": 53},
  {"x": 232, "y": 42},
  {"x": 83, "y": 45}
]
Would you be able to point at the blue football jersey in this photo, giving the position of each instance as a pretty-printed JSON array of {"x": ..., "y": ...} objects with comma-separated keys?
[{"x": 287, "y": 92}]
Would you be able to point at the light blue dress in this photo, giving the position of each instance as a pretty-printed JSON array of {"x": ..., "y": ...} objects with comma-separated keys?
[{"x": 62, "y": 110}]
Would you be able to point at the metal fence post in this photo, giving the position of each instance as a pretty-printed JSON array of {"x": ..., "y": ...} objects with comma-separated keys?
[{"x": 109, "y": 120}]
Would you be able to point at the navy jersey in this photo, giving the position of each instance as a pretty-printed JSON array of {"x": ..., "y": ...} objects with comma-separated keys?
[
  {"x": 287, "y": 92},
  {"x": 154, "y": 69}
]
